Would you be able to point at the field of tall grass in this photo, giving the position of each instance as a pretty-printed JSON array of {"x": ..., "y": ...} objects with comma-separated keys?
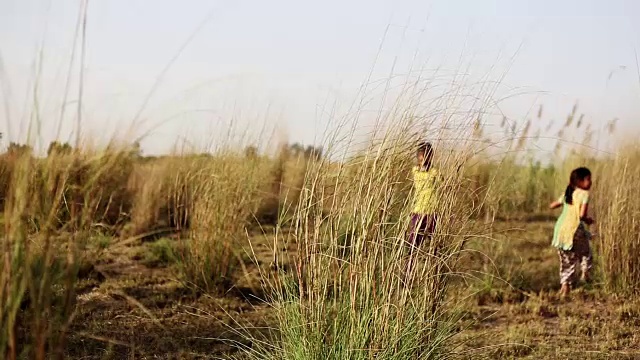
[{"x": 352, "y": 289}]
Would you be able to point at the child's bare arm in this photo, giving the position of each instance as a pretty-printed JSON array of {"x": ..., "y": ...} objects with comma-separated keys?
[
  {"x": 584, "y": 214},
  {"x": 554, "y": 205}
]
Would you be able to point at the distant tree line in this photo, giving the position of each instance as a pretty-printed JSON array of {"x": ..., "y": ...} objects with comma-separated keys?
[
  {"x": 59, "y": 148},
  {"x": 64, "y": 148},
  {"x": 290, "y": 150}
]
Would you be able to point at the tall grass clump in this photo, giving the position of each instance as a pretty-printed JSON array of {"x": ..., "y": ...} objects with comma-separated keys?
[
  {"x": 159, "y": 191},
  {"x": 507, "y": 176},
  {"x": 52, "y": 205},
  {"x": 617, "y": 212},
  {"x": 223, "y": 193},
  {"x": 287, "y": 177},
  {"x": 357, "y": 292}
]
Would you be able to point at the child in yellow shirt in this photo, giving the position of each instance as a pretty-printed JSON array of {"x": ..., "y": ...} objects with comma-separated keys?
[
  {"x": 424, "y": 213},
  {"x": 571, "y": 236}
]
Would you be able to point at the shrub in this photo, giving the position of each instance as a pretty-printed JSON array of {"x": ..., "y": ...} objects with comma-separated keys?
[
  {"x": 356, "y": 292},
  {"x": 37, "y": 286},
  {"x": 224, "y": 193},
  {"x": 161, "y": 252}
]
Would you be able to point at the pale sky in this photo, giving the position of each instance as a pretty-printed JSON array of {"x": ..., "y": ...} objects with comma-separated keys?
[{"x": 285, "y": 62}]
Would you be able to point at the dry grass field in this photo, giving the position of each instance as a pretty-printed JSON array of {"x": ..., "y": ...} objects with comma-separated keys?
[{"x": 300, "y": 254}]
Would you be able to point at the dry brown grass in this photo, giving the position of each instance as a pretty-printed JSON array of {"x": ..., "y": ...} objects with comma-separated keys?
[
  {"x": 346, "y": 219},
  {"x": 617, "y": 210}
]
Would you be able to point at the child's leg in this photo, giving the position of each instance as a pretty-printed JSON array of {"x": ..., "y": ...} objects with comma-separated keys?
[
  {"x": 568, "y": 262},
  {"x": 430, "y": 225},
  {"x": 413, "y": 231},
  {"x": 417, "y": 231},
  {"x": 416, "y": 235},
  {"x": 430, "y": 229},
  {"x": 586, "y": 264}
]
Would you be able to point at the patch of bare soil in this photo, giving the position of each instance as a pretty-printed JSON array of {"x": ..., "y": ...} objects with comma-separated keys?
[{"x": 137, "y": 311}]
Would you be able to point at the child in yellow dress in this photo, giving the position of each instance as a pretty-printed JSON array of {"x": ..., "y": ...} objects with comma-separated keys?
[
  {"x": 571, "y": 236},
  {"x": 424, "y": 213}
]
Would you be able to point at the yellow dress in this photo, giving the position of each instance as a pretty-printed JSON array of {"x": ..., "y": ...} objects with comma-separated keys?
[
  {"x": 569, "y": 221},
  {"x": 425, "y": 198}
]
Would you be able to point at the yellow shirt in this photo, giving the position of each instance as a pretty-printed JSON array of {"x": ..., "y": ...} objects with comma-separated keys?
[
  {"x": 569, "y": 220},
  {"x": 425, "y": 197}
]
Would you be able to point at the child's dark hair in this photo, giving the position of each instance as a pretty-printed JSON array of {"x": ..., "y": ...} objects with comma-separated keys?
[
  {"x": 425, "y": 148},
  {"x": 577, "y": 175}
]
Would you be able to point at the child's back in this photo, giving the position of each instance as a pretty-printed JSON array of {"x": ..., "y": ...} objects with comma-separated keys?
[
  {"x": 424, "y": 182},
  {"x": 570, "y": 235},
  {"x": 569, "y": 220}
]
